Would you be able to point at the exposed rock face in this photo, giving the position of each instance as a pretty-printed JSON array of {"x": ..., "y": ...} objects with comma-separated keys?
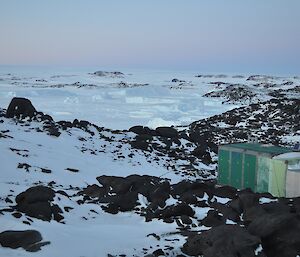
[
  {"x": 36, "y": 202},
  {"x": 27, "y": 239},
  {"x": 20, "y": 107}
]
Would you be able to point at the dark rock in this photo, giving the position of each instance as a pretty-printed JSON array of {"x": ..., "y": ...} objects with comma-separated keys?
[
  {"x": 143, "y": 137},
  {"x": 25, "y": 166},
  {"x": 40, "y": 210},
  {"x": 267, "y": 224},
  {"x": 36, "y": 194},
  {"x": 154, "y": 235},
  {"x": 83, "y": 124},
  {"x": 127, "y": 201},
  {"x": 227, "y": 211},
  {"x": 53, "y": 131},
  {"x": 20, "y": 107},
  {"x": 177, "y": 210},
  {"x": 280, "y": 234},
  {"x": 142, "y": 145},
  {"x": 167, "y": 132},
  {"x": 36, "y": 202},
  {"x": 61, "y": 192},
  {"x": 252, "y": 213},
  {"x": 158, "y": 252},
  {"x": 94, "y": 191},
  {"x": 185, "y": 188},
  {"x": 65, "y": 124},
  {"x": 202, "y": 153},
  {"x": 56, "y": 211},
  {"x": 177, "y": 80},
  {"x": 248, "y": 200},
  {"x": 236, "y": 205},
  {"x": 213, "y": 219},
  {"x": 189, "y": 198},
  {"x": 17, "y": 215},
  {"x": 221, "y": 241},
  {"x": 225, "y": 192},
  {"x": 113, "y": 74},
  {"x": 160, "y": 193},
  {"x": 140, "y": 130},
  {"x": 7, "y": 200},
  {"x": 27, "y": 239},
  {"x": 186, "y": 219},
  {"x": 72, "y": 170},
  {"x": 121, "y": 193},
  {"x": 36, "y": 247},
  {"x": 276, "y": 207},
  {"x": 234, "y": 93},
  {"x": 45, "y": 170}
]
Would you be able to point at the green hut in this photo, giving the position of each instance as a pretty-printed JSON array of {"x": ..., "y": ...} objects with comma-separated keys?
[{"x": 259, "y": 167}]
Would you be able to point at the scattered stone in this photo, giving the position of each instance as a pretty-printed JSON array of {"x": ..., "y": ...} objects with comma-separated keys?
[
  {"x": 24, "y": 166},
  {"x": 27, "y": 239},
  {"x": 72, "y": 170},
  {"x": 17, "y": 215}
]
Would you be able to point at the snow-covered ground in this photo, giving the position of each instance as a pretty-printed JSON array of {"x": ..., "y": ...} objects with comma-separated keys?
[{"x": 73, "y": 160}]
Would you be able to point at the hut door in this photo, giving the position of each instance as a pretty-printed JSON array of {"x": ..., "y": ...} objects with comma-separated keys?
[
  {"x": 236, "y": 169},
  {"x": 224, "y": 176},
  {"x": 249, "y": 171}
]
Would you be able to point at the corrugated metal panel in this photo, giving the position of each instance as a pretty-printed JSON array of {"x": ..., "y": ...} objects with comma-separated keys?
[
  {"x": 278, "y": 178},
  {"x": 223, "y": 167},
  {"x": 236, "y": 169},
  {"x": 263, "y": 173},
  {"x": 250, "y": 171}
]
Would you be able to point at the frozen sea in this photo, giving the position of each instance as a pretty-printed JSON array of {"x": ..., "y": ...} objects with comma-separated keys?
[{"x": 140, "y": 97}]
